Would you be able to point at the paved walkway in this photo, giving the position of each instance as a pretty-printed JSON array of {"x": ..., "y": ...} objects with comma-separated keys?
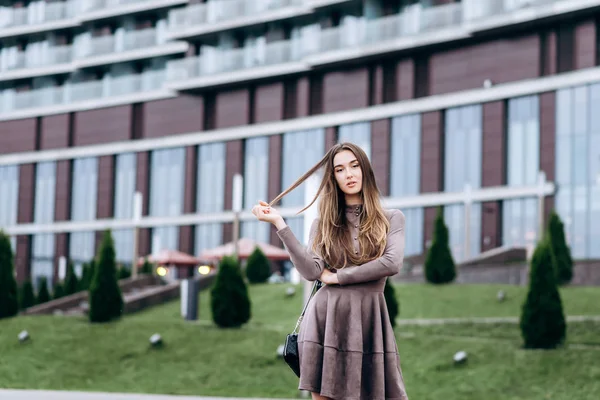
[
  {"x": 55, "y": 395},
  {"x": 484, "y": 320}
]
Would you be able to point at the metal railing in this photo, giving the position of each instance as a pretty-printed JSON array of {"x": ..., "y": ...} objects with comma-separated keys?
[
  {"x": 94, "y": 5},
  {"x": 38, "y": 13},
  {"x": 77, "y": 92},
  {"x": 223, "y": 10},
  {"x": 40, "y": 58},
  {"x": 214, "y": 60},
  {"x": 116, "y": 43}
]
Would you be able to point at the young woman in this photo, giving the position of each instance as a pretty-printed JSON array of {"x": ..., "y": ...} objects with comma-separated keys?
[{"x": 346, "y": 342}]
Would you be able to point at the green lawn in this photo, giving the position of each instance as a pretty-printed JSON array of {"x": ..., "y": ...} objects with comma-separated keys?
[{"x": 68, "y": 353}]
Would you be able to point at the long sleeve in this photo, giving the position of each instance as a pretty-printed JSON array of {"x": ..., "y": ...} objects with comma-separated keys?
[
  {"x": 309, "y": 265},
  {"x": 387, "y": 265}
]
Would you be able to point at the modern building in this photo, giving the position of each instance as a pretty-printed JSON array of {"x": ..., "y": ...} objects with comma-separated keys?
[{"x": 487, "y": 107}]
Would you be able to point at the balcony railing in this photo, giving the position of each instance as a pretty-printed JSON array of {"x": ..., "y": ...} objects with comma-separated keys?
[
  {"x": 94, "y": 5},
  {"x": 77, "y": 92},
  {"x": 475, "y": 9},
  {"x": 36, "y": 59},
  {"x": 119, "y": 42},
  {"x": 224, "y": 10},
  {"x": 36, "y": 13},
  {"x": 214, "y": 61}
]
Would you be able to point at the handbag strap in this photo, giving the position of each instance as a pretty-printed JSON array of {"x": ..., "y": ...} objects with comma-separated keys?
[{"x": 316, "y": 286}]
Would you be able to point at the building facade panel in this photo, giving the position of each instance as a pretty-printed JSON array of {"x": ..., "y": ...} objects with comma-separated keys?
[
  {"x": 501, "y": 61},
  {"x": 380, "y": 157},
  {"x": 232, "y": 108},
  {"x": 345, "y": 89},
  {"x": 585, "y": 44},
  {"x": 143, "y": 186},
  {"x": 55, "y": 132},
  {"x": 186, "y": 233},
  {"x": 104, "y": 125},
  {"x": 268, "y": 102},
  {"x": 106, "y": 186},
  {"x": 234, "y": 156},
  {"x": 405, "y": 79},
  {"x": 18, "y": 135},
  {"x": 181, "y": 114}
]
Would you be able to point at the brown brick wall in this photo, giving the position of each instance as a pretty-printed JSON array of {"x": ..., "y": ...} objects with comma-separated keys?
[
  {"x": 345, "y": 90},
  {"x": 585, "y": 45},
  {"x": 55, "y": 131},
  {"x": 103, "y": 125},
  {"x": 268, "y": 102},
  {"x": 380, "y": 157},
  {"x": 25, "y": 215},
  {"x": 142, "y": 185},
  {"x": 405, "y": 79},
  {"x": 17, "y": 136},
  {"x": 502, "y": 60},
  {"x": 62, "y": 209},
  {"x": 330, "y": 137},
  {"x": 275, "y": 149},
  {"x": 302, "y": 97},
  {"x": 494, "y": 139},
  {"x": 181, "y": 114},
  {"x": 234, "y": 164},
  {"x": 548, "y": 142},
  {"x": 106, "y": 187},
  {"x": 186, "y": 233},
  {"x": 232, "y": 108},
  {"x": 431, "y": 165}
]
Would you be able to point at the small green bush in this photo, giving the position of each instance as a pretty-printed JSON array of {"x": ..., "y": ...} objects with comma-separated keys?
[
  {"x": 542, "y": 321},
  {"x": 43, "y": 292},
  {"x": 59, "y": 291},
  {"x": 258, "y": 267},
  {"x": 562, "y": 253},
  {"x": 9, "y": 300},
  {"x": 26, "y": 295},
  {"x": 439, "y": 264},
  {"x": 230, "y": 303},
  {"x": 106, "y": 300},
  {"x": 391, "y": 301},
  {"x": 71, "y": 282}
]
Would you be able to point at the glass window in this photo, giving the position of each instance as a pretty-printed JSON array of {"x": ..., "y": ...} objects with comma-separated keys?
[
  {"x": 519, "y": 216},
  {"x": 462, "y": 166},
  {"x": 578, "y": 167},
  {"x": 83, "y": 208},
  {"x": 210, "y": 194},
  {"x": 358, "y": 133},
  {"x": 167, "y": 176},
  {"x": 42, "y": 250},
  {"x": 125, "y": 177},
  {"x": 9, "y": 197},
  {"x": 405, "y": 175},
  {"x": 301, "y": 151},
  {"x": 256, "y": 179}
]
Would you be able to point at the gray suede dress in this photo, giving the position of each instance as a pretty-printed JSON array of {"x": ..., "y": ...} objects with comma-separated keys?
[{"x": 346, "y": 342}]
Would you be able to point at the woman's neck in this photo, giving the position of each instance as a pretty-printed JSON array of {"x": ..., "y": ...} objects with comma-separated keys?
[{"x": 353, "y": 200}]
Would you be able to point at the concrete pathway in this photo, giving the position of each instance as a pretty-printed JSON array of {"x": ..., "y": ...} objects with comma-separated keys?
[
  {"x": 55, "y": 395},
  {"x": 484, "y": 320}
]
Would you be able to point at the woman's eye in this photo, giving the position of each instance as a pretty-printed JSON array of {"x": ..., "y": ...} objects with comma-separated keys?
[{"x": 355, "y": 166}]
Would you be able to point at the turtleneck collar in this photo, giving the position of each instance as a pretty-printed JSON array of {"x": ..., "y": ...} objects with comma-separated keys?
[{"x": 354, "y": 208}]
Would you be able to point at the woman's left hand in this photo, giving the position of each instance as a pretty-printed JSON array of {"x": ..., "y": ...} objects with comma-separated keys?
[{"x": 329, "y": 278}]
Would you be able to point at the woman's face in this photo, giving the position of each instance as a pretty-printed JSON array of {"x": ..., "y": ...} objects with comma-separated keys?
[{"x": 347, "y": 172}]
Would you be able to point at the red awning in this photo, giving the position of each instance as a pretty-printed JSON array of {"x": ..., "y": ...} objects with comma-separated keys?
[{"x": 246, "y": 247}]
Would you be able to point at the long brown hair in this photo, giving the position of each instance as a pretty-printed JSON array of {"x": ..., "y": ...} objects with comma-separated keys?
[{"x": 332, "y": 240}]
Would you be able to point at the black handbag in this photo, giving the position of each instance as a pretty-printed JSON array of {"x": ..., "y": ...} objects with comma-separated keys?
[{"x": 290, "y": 349}]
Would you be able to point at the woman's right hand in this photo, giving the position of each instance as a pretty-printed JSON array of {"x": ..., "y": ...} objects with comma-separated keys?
[{"x": 264, "y": 212}]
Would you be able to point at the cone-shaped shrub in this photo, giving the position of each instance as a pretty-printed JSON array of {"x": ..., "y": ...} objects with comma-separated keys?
[
  {"x": 229, "y": 301},
  {"x": 43, "y": 292},
  {"x": 439, "y": 264},
  {"x": 146, "y": 267},
  {"x": 59, "y": 291},
  {"x": 26, "y": 296},
  {"x": 86, "y": 276},
  {"x": 542, "y": 319},
  {"x": 258, "y": 267},
  {"x": 71, "y": 284},
  {"x": 106, "y": 300},
  {"x": 562, "y": 253},
  {"x": 391, "y": 301},
  {"x": 9, "y": 300},
  {"x": 124, "y": 272}
]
